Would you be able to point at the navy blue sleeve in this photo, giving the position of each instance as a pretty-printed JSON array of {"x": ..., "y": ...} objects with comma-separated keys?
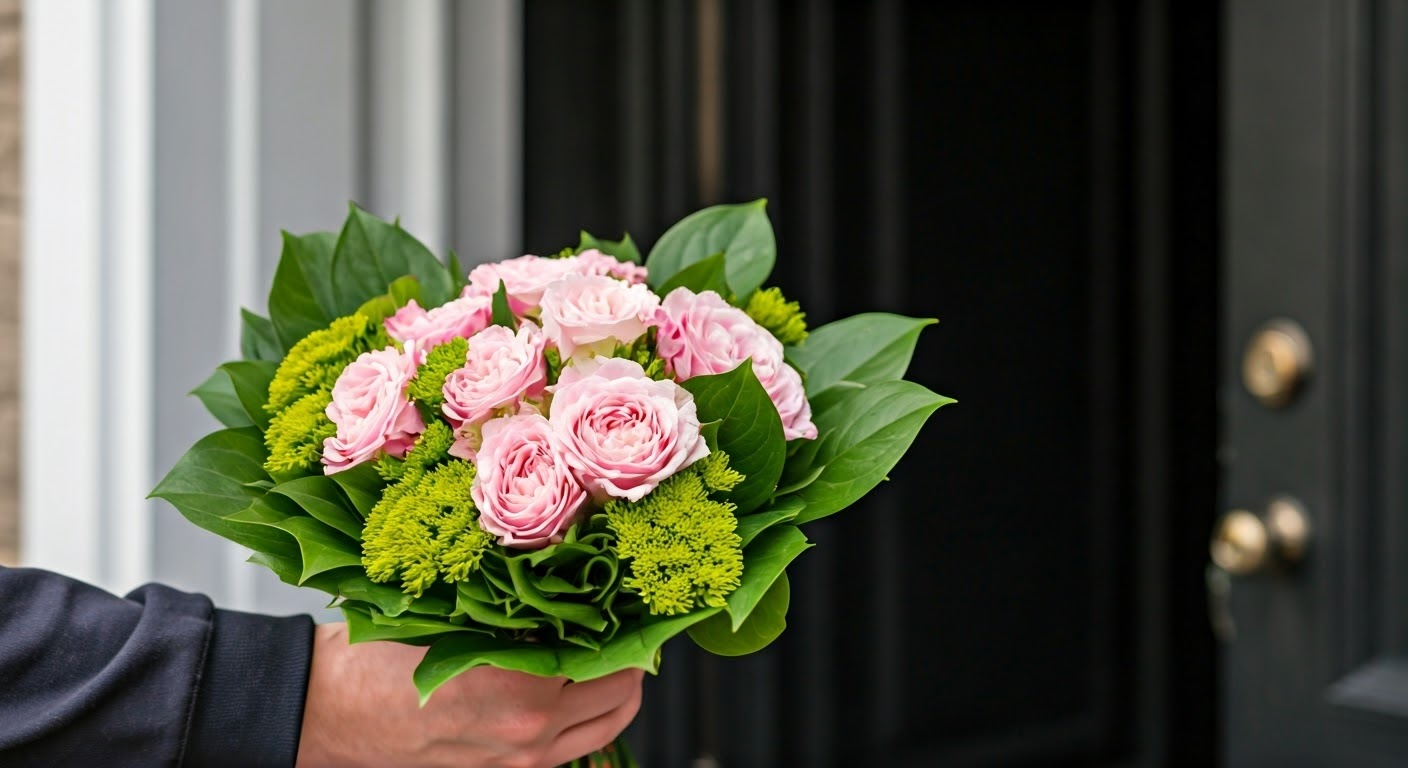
[{"x": 158, "y": 678}]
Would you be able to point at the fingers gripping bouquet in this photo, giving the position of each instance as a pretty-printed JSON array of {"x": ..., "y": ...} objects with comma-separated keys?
[{"x": 550, "y": 464}]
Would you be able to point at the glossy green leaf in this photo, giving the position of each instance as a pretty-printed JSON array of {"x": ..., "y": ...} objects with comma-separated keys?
[
  {"x": 300, "y": 300},
  {"x": 322, "y": 547},
  {"x": 217, "y": 394},
  {"x": 365, "y": 624},
  {"x": 257, "y": 338},
  {"x": 763, "y": 561},
  {"x": 459, "y": 276},
  {"x": 322, "y": 498},
  {"x": 701, "y": 276},
  {"x": 623, "y": 249},
  {"x": 502, "y": 313},
  {"x": 370, "y": 254},
  {"x": 784, "y": 510},
  {"x": 528, "y": 591},
  {"x": 750, "y": 431},
  {"x": 286, "y": 568},
  {"x": 474, "y": 604},
  {"x": 864, "y": 437},
  {"x": 864, "y": 349},
  {"x": 398, "y": 294},
  {"x": 362, "y": 485},
  {"x": 250, "y": 380},
  {"x": 635, "y": 647},
  {"x": 742, "y": 232},
  {"x": 767, "y": 621},
  {"x": 390, "y": 600},
  {"x": 208, "y": 486}
]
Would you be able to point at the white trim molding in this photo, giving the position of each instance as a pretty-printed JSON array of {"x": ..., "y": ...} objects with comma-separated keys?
[{"x": 87, "y": 263}]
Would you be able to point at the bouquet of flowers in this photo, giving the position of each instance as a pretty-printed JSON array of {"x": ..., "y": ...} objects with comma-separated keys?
[{"x": 546, "y": 464}]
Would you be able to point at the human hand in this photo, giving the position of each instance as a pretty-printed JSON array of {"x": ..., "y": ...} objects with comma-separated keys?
[{"x": 362, "y": 710}]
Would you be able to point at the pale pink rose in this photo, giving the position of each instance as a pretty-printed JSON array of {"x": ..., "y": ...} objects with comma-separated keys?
[
  {"x": 502, "y": 368},
  {"x": 525, "y": 492},
  {"x": 594, "y": 262},
  {"x": 593, "y": 312},
  {"x": 460, "y": 318},
  {"x": 701, "y": 334},
  {"x": 371, "y": 410},
  {"x": 623, "y": 433},
  {"x": 524, "y": 278}
]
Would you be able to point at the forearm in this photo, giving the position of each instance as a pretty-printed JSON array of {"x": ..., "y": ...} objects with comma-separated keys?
[{"x": 87, "y": 678}]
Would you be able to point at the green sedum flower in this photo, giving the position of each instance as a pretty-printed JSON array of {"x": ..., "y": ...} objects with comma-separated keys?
[
  {"x": 296, "y": 434},
  {"x": 429, "y": 384},
  {"x": 785, "y": 319},
  {"x": 682, "y": 545},
  {"x": 425, "y": 528},
  {"x": 317, "y": 360}
]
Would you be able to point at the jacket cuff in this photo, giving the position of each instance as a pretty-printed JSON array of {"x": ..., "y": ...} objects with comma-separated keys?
[{"x": 249, "y": 701}]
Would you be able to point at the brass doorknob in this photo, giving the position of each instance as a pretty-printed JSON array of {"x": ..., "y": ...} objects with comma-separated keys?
[
  {"x": 1246, "y": 543},
  {"x": 1277, "y": 362}
]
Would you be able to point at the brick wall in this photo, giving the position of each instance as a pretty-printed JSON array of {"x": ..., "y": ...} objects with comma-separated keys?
[{"x": 10, "y": 101}]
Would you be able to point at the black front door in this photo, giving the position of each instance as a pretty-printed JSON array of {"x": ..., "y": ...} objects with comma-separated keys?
[
  {"x": 1314, "y": 616},
  {"x": 1028, "y": 588}
]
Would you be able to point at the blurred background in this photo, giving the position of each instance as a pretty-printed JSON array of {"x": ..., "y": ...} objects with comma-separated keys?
[{"x": 1166, "y": 241}]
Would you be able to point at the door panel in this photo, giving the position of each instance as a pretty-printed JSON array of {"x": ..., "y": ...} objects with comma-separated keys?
[
  {"x": 1315, "y": 673},
  {"x": 1026, "y": 590}
]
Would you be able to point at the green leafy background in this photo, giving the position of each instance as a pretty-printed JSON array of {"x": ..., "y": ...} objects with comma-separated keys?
[{"x": 307, "y": 528}]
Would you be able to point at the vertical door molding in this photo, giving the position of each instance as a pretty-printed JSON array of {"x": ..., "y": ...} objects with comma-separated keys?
[{"x": 86, "y": 323}]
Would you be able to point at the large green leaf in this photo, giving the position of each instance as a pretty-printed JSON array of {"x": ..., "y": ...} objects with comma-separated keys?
[
  {"x": 388, "y": 599},
  {"x": 300, "y": 299},
  {"x": 286, "y": 568},
  {"x": 257, "y": 338},
  {"x": 475, "y": 604},
  {"x": 322, "y": 547},
  {"x": 768, "y": 619},
  {"x": 784, "y": 510},
  {"x": 864, "y": 436},
  {"x": 763, "y": 561},
  {"x": 701, "y": 276},
  {"x": 371, "y": 254},
  {"x": 750, "y": 431},
  {"x": 365, "y": 624},
  {"x": 623, "y": 249},
  {"x": 742, "y": 232},
  {"x": 211, "y": 484},
  {"x": 250, "y": 379},
  {"x": 635, "y": 647},
  {"x": 401, "y": 291},
  {"x": 217, "y": 394},
  {"x": 865, "y": 349},
  {"x": 501, "y": 313},
  {"x": 459, "y": 276},
  {"x": 321, "y": 497},
  {"x": 362, "y": 485},
  {"x": 578, "y": 613}
]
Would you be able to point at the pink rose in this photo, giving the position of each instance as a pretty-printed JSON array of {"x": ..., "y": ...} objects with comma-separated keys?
[
  {"x": 595, "y": 312},
  {"x": 526, "y": 494},
  {"x": 623, "y": 433},
  {"x": 594, "y": 262},
  {"x": 701, "y": 334},
  {"x": 371, "y": 410},
  {"x": 524, "y": 278},
  {"x": 502, "y": 368},
  {"x": 461, "y": 318}
]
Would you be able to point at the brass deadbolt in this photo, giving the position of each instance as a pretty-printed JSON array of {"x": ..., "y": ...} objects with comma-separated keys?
[
  {"x": 1277, "y": 363},
  {"x": 1247, "y": 543}
]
